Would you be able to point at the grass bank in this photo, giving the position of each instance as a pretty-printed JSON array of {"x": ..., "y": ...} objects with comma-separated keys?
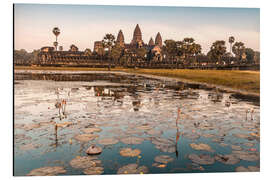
[{"x": 239, "y": 80}]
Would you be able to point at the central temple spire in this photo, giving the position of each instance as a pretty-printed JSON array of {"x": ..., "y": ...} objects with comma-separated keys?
[{"x": 137, "y": 35}]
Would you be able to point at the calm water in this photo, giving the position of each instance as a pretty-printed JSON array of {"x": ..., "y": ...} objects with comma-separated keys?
[{"x": 167, "y": 117}]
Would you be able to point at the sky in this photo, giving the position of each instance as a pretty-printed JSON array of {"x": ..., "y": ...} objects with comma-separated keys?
[{"x": 83, "y": 24}]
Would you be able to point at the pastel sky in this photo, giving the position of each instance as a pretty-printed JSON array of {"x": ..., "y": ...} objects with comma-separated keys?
[{"x": 83, "y": 24}]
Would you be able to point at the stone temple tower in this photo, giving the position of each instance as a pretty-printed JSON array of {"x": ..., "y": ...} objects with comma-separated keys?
[
  {"x": 137, "y": 36},
  {"x": 120, "y": 39},
  {"x": 151, "y": 42},
  {"x": 158, "y": 40}
]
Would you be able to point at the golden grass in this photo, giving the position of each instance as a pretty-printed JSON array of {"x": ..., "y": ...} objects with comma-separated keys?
[{"x": 239, "y": 80}]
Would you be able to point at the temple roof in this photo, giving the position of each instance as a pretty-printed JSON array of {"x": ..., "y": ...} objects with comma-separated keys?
[
  {"x": 151, "y": 42},
  {"x": 120, "y": 37},
  {"x": 158, "y": 40},
  {"x": 137, "y": 30}
]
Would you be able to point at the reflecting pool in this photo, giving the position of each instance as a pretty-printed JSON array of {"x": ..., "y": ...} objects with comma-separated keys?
[{"x": 142, "y": 125}]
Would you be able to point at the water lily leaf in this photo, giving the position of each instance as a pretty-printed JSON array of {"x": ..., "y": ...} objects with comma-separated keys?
[
  {"x": 163, "y": 159},
  {"x": 201, "y": 147},
  {"x": 83, "y": 162},
  {"x": 47, "y": 171},
  {"x": 108, "y": 141},
  {"x": 132, "y": 140},
  {"x": 93, "y": 150},
  {"x": 93, "y": 171},
  {"x": 132, "y": 169},
  {"x": 85, "y": 137},
  {"x": 247, "y": 169},
  {"x": 128, "y": 152},
  {"x": 91, "y": 130},
  {"x": 203, "y": 159},
  {"x": 227, "y": 159}
]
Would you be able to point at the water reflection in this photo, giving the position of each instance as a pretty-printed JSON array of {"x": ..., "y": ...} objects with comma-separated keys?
[{"x": 158, "y": 117}]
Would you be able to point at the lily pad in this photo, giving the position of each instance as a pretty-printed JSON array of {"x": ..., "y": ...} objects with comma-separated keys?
[
  {"x": 93, "y": 171},
  {"x": 154, "y": 132},
  {"x": 85, "y": 137},
  {"x": 203, "y": 159},
  {"x": 237, "y": 148},
  {"x": 201, "y": 147},
  {"x": 164, "y": 145},
  {"x": 144, "y": 127},
  {"x": 47, "y": 171},
  {"x": 227, "y": 159},
  {"x": 28, "y": 147},
  {"x": 29, "y": 127},
  {"x": 94, "y": 150},
  {"x": 132, "y": 140},
  {"x": 163, "y": 159},
  {"x": 83, "y": 162},
  {"x": 108, "y": 141},
  {"x": 91, "y": 130},
  {"x": 128, "y": 152},
  {"x": 246, "y": 156},
  {"x": 132, "y": 169},
  {"x": 159, "y": 165},
  {"x": 247, "y": 169}
]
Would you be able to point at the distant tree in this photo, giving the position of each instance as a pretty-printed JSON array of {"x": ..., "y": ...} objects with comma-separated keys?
[
  {"x": 56, "y": 32},
  {"x": 231, "y": 41},
  {"x": 108, "y": 42},
  {"x": 217, "y": 50},
  {"x": 170, "y": 49},
  {"x": 35, "y": 56},
  {"x": 238, "y": 49},
  {"x": 117, "y": 52},
  {"x": 257, "y": 57},
  {"x": 250, "y": 55},
  {"x": 141, "y": 53}
]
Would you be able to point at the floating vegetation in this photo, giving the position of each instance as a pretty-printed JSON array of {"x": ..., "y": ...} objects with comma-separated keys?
[
  {"x": 154, "y": 132},
  {"x": 83, "y": 162},
  {"x": 247, "y": 169},
  {"x": 164, "y": 145},
  {"x": 237, "y": 148},
  {"x": 144, "y": 127},
  {"x": 47, "y": 171},
  {"x": 247, "y": 156},
  {"x": 132, "y": 140},
  {"x": 132, "y": 169},
  {"x": 93, "y": 150},
  {"x": 91, "y": 130},
  {"x": 29, "y": 127},
  {"x": 128, "y": 152},
  {"x": 158, "y": 165},
  {"x": 85, "y": 137},
  {"x": 163, "y": 159},
  {"x": 108, "y": 141},
  {"x": 227, "y": 159},
  {"x": 203, "y": 159},
  {"x": 164, "y": 128},
  {"x": 94, "y": 171},
  {"x": 27, "y": 147},
  {"x": 201, "y": 147},
  {"x": 192, "y": 136}
]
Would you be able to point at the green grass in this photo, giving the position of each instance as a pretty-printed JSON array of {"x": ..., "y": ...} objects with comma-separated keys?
[{"x": 239, "y": 80}]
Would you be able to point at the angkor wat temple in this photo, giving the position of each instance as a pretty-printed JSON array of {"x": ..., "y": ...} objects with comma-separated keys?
[
  {"x": 50, "y": 55},
  {"x": 136, "y": 42}
]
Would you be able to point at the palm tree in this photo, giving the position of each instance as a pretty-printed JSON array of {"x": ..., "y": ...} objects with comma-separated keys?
[
  {"x": 231, "y": 41},
  {"x": 238, "y": 49},
  {"x": 56, "y": 32},
  {"x": 108, "y": 42},
  {"x": 218, "y": 49}
]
